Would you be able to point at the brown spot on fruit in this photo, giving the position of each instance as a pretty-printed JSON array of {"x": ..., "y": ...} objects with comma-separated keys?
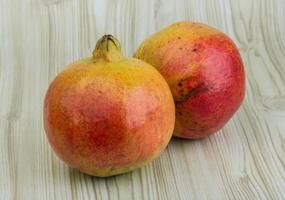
[{"x": 192, "y": 93}]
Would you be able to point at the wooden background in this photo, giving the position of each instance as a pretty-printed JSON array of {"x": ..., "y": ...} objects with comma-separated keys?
[{"x": 245, "y": 160}]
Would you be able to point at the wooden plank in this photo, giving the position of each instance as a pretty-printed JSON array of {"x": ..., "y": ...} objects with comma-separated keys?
[{"x": 245, "y": 160}]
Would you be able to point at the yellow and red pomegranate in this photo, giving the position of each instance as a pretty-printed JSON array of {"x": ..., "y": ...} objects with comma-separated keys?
[
  {"x": 108, "y": 114},
  {"x": 205, "y": 72}
]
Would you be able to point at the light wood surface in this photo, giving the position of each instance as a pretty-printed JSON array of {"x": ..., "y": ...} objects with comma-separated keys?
[{"x": 245, "y": 160}]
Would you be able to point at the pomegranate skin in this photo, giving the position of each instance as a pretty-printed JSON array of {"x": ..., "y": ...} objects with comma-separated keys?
[
  {"x": 205, "y": 73},
  {"x": 108, "y": 114}
]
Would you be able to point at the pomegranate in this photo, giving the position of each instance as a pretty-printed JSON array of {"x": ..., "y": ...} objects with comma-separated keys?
[
  {"x": 205, "y": 73},
  {"x": 108, "y": 114}
]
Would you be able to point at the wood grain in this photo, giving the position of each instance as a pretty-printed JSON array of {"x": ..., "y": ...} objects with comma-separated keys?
[{"x": 245, "y": 160}]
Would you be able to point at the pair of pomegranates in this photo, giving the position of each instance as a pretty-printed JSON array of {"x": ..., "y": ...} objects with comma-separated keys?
[{"x": 108, "y": 114}]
